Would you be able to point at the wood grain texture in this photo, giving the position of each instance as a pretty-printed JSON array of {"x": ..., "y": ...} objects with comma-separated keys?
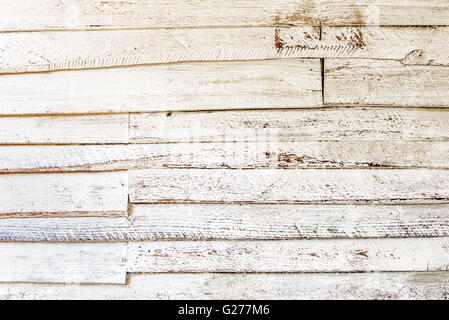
[
  {"x": 46, "y": 51},
  {"x": 382, "y": 12},
  {"x": 215, "y": 221},
  {"x": 184, "y": 86},
  {"x": 384, "y": 83},
  {"x": 63, "y": 194},
  {"x": 428, "y": 46},
  {"x": 107, "y": 128},
  {"x": 240, "y": 155},
  {"x": 340, "y": 286},
  {"x": 73, "y": 229},
  {"x": 63, "y": 263},
  {"x": 290, "y": 125},
  {"x": 112, "y": 14},
  {"x": 238, "y": 222},
  {"x": 290, "y": 255},
  {"x": 289, "y": 186}
]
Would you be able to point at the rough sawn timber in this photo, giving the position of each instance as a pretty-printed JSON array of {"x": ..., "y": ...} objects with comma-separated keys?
[
  {"x": 63, "y": 262},
  {"x": 104, "y": 193},
  {"x": 384, "y": 83},
  {"x": 290, "y": 125},
  {"x": 238, "y": 222},
  {"x": 288, "y": 83},
  {"x": 333, "y": 255},
  {"x": 87, "y": 129},
  {"x": 71, "y": 50},
  {"x": 410, "y": 45},
  {"x": 112, "y": 14},
  {"x": 240, "y": 155},
  {"x": 289, "y": 186},
  {"x": 274, "y": 286}
]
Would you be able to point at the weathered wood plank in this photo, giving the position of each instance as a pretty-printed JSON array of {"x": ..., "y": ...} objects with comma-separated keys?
[
  {"x": 240, "y": 155},
  {"x": 410, "y": 45},
  {"x": 63, "y": 263},
  {"x": 290, "y": 255},
  {"x": 264, "y": 222},
  {"x": 291, "y": 125},
  {"x": 73, "y": 229},
  {"x": 102, "y": 193},
  {"x": 381, "y": 12},
  {"x": 289, "y": 186},
  {"x": 184, "y": 86},
  {"x": 86, "y": 14},
  {"x": 358, "y": 286},
  {"x": 106, "y": 128},
  {"x": 384, "y": 83},
  {"x": 238, "y": 222},
  {"x": 45, "y": 51}
]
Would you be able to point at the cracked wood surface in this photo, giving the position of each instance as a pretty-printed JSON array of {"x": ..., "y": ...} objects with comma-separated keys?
[
  {"x": 377, "y": 286},
  {"x": 105, "y": 128},
  {"x": 289, "y": 186},
  {"x": 290, "y": 125},
  {"x": 92, "y": 15},
  {"x": 192, "y": 86},
  {"x": 355, "y": 255},
  {"x": 237, "y": 222},
  {"x": 385, "y": 83},
  {"x": 240, "y": 155},
  {"x": 71, "y": 50},
  {"x": 64, "y": 194},
  {"x": 63, "y": 262}
]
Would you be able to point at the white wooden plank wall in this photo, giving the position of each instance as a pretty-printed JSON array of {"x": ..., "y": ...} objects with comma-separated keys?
[
  {"x": 224, "y": 149},
  {"x": 371, "y": 285}
]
